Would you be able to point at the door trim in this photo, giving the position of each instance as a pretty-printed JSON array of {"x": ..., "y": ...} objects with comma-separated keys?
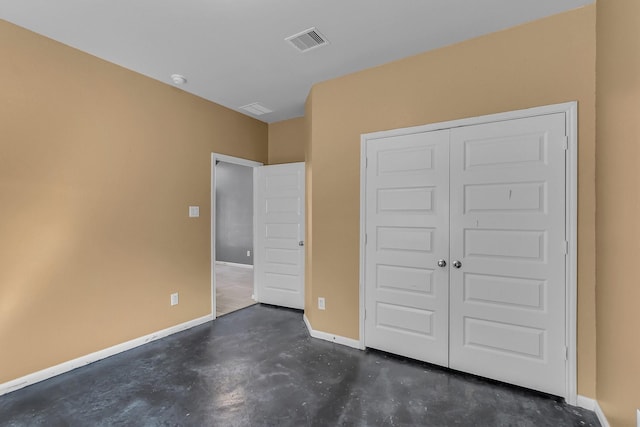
[
  {"x": 570, "y": 110},
  {"x": 212, "y": 205}
]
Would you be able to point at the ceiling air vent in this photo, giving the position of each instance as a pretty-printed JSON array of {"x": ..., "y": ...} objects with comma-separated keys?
[
  {"x": 307, "y": 40},
  {"x": 256, "y": 109}
]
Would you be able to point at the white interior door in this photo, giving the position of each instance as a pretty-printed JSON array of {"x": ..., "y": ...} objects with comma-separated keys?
[
  {"x": 407, "y": 232},
  {"x": 489, "y": 200},
  {"x": 279, "y": 252},
  {"x": 507, "y": 308}
]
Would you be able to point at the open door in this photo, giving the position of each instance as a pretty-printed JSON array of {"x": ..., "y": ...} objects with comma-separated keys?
[{"x": 279, "y": 242}]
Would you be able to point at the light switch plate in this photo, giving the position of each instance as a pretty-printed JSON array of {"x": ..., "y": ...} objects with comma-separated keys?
[{"x": 194, "y": 211}]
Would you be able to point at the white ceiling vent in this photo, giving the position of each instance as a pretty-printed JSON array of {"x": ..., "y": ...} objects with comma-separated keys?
[
  {"x": 256, "y": 109},
  {"x": 307, "y": 40}
]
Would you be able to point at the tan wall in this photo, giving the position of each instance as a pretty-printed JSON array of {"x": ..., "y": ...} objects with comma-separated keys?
[
  {"x": 97, "y": 168},
  {"x": 545, "y": 62},
  {"x": 618, "y": 214},
  {"x": 287, "y": 141}
]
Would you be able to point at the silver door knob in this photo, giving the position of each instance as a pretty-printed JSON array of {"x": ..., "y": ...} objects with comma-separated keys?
[
  {"x": 301, "y": 243},
  {"x": 442, "y": 263},
  {"x": 457, "y": 264}
]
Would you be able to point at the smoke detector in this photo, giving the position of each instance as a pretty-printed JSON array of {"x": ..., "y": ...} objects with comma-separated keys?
[
  {"x": 178, "y": 79},
  {"x": 307, "y": 40}
]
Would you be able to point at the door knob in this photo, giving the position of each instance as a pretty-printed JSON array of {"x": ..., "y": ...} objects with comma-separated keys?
[
  {"x": 442, "y": 263},
  {"x": 457, "y": 264},
  {"x": 301, "y": 243}
]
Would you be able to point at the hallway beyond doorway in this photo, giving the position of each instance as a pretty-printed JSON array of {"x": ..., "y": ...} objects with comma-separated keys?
[{"x": 234, "y": 288}]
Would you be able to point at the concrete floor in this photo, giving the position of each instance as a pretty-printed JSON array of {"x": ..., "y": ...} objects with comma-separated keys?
[{"x": 259, "y": 367}]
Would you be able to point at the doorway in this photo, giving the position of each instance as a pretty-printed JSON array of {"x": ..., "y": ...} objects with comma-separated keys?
[
  {"x": 232, "y": 233},
  {"x": 277, "y": 236}
]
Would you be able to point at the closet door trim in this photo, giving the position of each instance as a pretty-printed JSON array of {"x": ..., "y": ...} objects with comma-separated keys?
[{"x": 570, "y": 110}]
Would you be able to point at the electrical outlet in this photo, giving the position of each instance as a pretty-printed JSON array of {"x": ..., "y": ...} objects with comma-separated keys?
[
  {"x": 321, "y": 303},
  {"x": 174, "y": 299},
  {"x": 248, "y": 253}
]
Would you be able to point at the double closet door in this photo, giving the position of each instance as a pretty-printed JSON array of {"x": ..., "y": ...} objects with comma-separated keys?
[{"x": 465, "y": 249}]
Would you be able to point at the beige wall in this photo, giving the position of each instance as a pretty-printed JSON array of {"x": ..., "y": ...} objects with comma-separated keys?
[
  {"x": 618, "y": 214},
  {"x": 545, "y": 62},
  {"x": 308, "y": 193},
  {"x": 97, "y": 168},
  {"x": 287, "y": 141}
]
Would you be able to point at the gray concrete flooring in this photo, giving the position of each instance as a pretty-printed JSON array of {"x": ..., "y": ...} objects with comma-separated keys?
[{"x": 259, "y": 367}]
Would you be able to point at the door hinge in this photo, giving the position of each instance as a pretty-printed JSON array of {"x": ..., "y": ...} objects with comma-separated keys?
[
  {"x": 366, "y": 162},
  {"x": 565, "y": 247},
  {"x": 565, "y": 142},
  {"x": 366, "y": 238},
  {"x": 365, "y": 314},
  {"x": 566, "y": 353}
]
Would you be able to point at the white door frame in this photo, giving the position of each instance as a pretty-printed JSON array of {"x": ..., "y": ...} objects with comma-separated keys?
[
  {"x": 238, "y": 161},
  {"x": 570, "y": 109}
]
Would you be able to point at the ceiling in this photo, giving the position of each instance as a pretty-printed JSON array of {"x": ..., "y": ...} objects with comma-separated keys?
[{"x": 233, "y": 52}]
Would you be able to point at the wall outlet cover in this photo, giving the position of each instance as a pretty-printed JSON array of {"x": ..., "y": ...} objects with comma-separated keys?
[
  {"x": 321, "y": 305},
  {"x": 174, "y": 299},
  {"x": 194, "y": 211}
]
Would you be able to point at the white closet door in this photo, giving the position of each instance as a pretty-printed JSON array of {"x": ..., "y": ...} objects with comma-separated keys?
[
  {"x": 508, "y": 231},
  {"x": 279, "y": 264},
  {"x": 407, "y": 232}
]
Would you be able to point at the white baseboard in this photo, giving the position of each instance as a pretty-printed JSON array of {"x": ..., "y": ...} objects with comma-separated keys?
[
  {"x": 586, "y": 403},
  {"x": 330, "y": 337},
  {"x": 47, "y": 373},
  {"x": 235, "y": 264},
  {"x": 592, "y": 405},
  {"x": 601, "y": 417}
]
